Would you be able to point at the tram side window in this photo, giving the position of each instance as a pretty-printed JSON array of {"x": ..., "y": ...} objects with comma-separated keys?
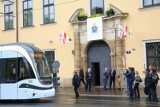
[
  {"x": 11, "y": 70},
  {"x": 25, "y": 70}
]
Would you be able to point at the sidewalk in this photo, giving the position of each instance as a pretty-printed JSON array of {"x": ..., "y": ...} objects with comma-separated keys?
[{"x": 99, "y": 91}]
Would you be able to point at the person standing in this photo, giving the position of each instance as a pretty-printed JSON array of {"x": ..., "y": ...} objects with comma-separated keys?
[
  {"x": 125, "y": 81},
  {"x": 88, "y": 79},
  {"x": 148, "y": 81},
  {"x": 129, "y": 77},
  {"x": 81, "y": 76},
  {"x": 75, "y": 82},
  {"x": 153, "y": 85},
  {"x": 145, "y": 84},
  {"x": 112, "y": 75},
  {"x": 105, "y": 78},
  {"x": 136, "y": 86}
]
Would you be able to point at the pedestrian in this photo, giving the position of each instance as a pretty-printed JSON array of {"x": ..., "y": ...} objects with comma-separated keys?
[
  {"x": 146, "y": 84},
  {"x": 105, "y": 77},
  {"x": 130, "y": 80},
  {"x": 81, "y": 76},
  {"x": 75, "y": 82},
  {"x": 136, "y": 86},
  {"x": 153, "y": 85},
  {"x": 112, "y": 75},
  {"x": 126, "y": 88},
  {"x": 88, "y": 79}
]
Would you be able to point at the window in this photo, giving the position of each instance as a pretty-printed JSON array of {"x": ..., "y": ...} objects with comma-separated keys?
[
  {"x": 50, "y": 55},
  {"x": 153, "y": 54},
  {"x": 27, "y": 13},
  {"x": 11, "y": 70},
  {"x": 25, "y": 69},
  {"x": 147, "y": 3},
  {"x": 48, "y": 11},
  {"x": 8, "y": 16},
  {"x": 97, "y": 6}
]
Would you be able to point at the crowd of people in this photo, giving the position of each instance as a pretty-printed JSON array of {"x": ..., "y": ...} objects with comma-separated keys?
[
  {"x": 86, "y": 79},
  {"x": 131, "y": 81}
]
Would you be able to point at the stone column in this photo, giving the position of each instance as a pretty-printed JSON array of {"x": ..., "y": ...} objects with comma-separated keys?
[
  {"x": 119, "y": 52},
  {"x": 84, "y": 63},
  {"x": 77, "y": 55}
]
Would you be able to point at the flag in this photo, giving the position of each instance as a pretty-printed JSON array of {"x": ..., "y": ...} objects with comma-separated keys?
[
  {"x": 125, "y": 30},
  {"x": 64, "y": 37},
  {"x": 130, "y": 31},
  {"x": 120, "y": 31}
]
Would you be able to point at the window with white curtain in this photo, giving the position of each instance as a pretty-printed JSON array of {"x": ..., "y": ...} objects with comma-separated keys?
[{"x": 147, "y": 3}]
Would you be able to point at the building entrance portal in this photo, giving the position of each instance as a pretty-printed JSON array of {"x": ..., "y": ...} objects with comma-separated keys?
[{"x": 98, "y": 57}]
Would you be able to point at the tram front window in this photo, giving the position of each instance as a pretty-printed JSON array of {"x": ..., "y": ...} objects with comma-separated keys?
[
  {"x": 41, "y": 65},
  {"x": 42, "y": 68}
]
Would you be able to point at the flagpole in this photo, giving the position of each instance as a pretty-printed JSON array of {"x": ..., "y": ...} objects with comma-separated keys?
[{"x": 115, "y": 50}]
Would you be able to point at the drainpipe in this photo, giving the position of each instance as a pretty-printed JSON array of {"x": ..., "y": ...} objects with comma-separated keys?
[{"x": 17, "y": 33}]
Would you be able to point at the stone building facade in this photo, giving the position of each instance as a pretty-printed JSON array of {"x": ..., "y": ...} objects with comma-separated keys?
[{"x": 109, "y": 51}]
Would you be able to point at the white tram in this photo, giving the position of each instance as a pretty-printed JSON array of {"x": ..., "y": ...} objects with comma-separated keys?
[{"x": 24, "y": 73}]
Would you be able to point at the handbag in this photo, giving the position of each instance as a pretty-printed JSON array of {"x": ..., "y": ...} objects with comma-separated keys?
[
  {"x": 146, "y": 90},
  {"x": 140, "y": 80}
]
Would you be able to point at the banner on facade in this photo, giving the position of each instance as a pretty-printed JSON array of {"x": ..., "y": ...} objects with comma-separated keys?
[{"x": 94, "y": 29}]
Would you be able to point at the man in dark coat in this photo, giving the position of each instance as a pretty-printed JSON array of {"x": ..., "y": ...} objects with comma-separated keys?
[
  {"x": 75, "y": 82},
  {"x": 153, "y": 83},
  {"x": 88, "y": 79},
  {"x": 81, "y": 76},
  {"x": 112, "y": 75}
]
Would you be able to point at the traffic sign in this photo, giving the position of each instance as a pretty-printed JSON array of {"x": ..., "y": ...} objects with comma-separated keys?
[{"x": 56, "y": 65}]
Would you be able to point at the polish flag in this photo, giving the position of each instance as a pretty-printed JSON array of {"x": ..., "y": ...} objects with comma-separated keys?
[
  {"x": 64, "y": 37},
  {"x": 125, "y": 30}
]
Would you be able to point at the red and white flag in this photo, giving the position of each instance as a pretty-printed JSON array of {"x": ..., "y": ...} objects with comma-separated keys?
[
  {"x": 120, "y": 31},
  {"x": 125, "y": 30},
  {"x": 64, "y": 37}
]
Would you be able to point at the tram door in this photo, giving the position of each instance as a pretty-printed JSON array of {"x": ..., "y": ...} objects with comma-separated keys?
[{"x": 9, "y": 79}]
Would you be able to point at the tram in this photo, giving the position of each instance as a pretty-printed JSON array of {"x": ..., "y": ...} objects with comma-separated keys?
[{"x": 24, "y": 73}]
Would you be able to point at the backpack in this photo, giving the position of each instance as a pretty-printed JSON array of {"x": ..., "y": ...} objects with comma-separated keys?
[
  {"x": 138, "y": 79},
  {"x": 155, "y": 78}
]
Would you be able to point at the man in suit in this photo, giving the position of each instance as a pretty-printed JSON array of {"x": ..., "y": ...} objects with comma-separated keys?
[
  {"x": 88, "y": 79},
  {"x": 112, "y": 75},
  {"x": 130, "y": 81}
]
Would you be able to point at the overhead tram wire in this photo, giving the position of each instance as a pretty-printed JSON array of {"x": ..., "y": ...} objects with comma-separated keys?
[
  {"x": 8, "y": 1},
  {"x": 41, "y": 8}
]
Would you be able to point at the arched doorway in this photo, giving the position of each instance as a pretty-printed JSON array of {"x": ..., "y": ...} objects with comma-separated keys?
[{"x": 98, "y": 57}]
